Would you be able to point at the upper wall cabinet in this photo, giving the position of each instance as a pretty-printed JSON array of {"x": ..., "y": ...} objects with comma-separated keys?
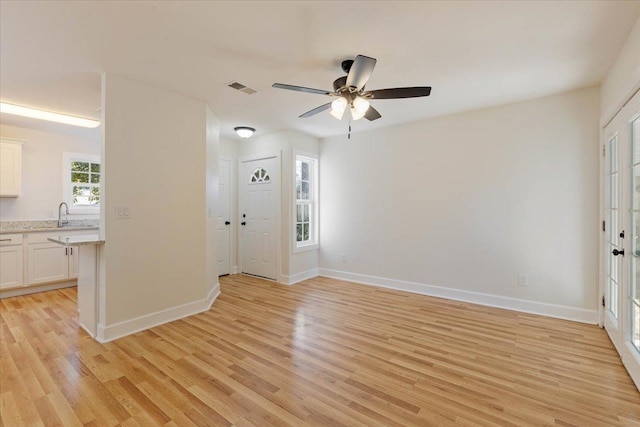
[{"x": 10, "y": 167}]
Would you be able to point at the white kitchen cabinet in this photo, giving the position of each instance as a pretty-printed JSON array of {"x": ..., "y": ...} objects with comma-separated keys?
[
  {"x": 10, "y": 167},
  {"x": 48, "y": 261},
  {"x": 11, "y": 261}
]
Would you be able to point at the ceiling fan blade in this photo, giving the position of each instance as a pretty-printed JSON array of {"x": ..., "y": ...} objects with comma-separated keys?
[
  {"x": 399, "y": 92},
  {"x": 372, "y": 114},
  {"x": 360, "y": 71},
  {"x": 301, "y": 89},
  {"x": 316, "y": 110}
]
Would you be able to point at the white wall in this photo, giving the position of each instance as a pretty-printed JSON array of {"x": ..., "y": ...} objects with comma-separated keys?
[
  {"x": 160, "y": 160},
  {"x": 624, "y": 76},
  {"x": 42, "y": 172},
  {"x": 293, "y": 266},
  {"x": 468, "y": 201}
]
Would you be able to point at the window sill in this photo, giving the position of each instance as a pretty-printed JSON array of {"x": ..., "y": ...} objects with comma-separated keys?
[{"x": 305, "y": 248}]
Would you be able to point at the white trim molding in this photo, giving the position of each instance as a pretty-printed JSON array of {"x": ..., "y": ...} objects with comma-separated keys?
[
  {"x": 26, "y": 290},
  {"x": 128, "y": 327},
  {"x": 526, "y": 306},
  {"x": 299, "y": 277}
]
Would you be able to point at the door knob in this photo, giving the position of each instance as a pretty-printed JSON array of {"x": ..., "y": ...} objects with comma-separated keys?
[
  {"x": 243, "y": 223},
  {"x": 616, "y": 252},
  {"x": 227, "y": 223}
]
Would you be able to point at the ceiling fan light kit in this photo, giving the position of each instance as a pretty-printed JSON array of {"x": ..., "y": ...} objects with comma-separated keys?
[
  {"x": 337, "y": 108},
  {"x": 349, "y": 91}
]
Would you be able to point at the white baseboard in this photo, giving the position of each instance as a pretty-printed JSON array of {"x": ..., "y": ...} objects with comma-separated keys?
[
  {"x": 545, "y": 309},
  {"x": 234, "y": 269},
  {"x": 128, "y": 327},
  {"x": 32, "y": 289},
  {"x": 299, "y": 277}
]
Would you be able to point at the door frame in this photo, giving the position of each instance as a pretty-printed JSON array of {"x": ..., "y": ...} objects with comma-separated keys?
[
  {"x": 232, "y": 213},
  {"x": 278, "y": 217}
]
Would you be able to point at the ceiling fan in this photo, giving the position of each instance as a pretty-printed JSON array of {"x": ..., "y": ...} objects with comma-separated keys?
[{"x": 349, "y": 91}]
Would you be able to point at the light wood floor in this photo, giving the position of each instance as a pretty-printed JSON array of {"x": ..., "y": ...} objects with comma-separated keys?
[{"x": 322, "y": 352}]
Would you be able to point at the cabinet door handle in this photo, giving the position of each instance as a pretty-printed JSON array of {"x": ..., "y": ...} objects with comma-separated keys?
[
  {"x": 5, "y": 240},
  {"x": 66, "y": 251},
  {"x": 71, "y": 249}
]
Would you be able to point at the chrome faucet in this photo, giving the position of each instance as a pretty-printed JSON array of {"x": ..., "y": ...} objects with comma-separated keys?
[{"x": 62, "y": 222}]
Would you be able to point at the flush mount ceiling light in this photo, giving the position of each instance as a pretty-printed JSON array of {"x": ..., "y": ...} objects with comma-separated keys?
[
  {"x": 244, "y": 131},
  {"x": 17, "y": 110}
]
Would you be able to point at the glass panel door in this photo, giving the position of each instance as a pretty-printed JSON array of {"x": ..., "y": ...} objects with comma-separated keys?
[
  {"x": 614, "y": 238},
  {"x": 613, "y": 234},
  {"x": 634, "y": 291},
  {"x": 627, "y": 340}
]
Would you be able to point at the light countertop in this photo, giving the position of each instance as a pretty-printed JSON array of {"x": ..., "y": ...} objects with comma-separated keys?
[
  {"x": 85, "y": 239},
  {"x": 47, "y": 229}
]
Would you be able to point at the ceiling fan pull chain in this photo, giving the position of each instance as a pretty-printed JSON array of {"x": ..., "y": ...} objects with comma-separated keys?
[{"x": 349, "y": 134}]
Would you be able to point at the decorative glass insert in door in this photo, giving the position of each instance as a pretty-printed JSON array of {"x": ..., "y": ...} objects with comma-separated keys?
[
  {"x": 634, "y": 291},
  {"x": 259, "y": 175},
  {"x": 613, "y": 230}
]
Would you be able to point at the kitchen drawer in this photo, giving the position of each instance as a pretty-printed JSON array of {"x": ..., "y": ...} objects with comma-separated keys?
[{"x": 10, "y": 239}]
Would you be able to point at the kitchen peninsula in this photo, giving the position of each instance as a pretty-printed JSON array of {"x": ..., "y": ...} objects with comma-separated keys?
[{"x": 88, "y": 277}]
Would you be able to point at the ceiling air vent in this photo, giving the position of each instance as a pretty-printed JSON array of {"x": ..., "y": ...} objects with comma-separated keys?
[{"x": 242, "y": 88}]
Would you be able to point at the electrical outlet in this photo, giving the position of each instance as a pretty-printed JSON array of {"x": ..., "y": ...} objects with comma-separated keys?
[
  {"x": 343, "y": 258},
  {"x": 522, "y": 279}
]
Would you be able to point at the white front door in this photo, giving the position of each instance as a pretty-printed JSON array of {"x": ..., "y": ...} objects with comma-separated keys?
[
  {"x": 224, "y": 217},
  {"x": 622, "y": 242},
  {"x": 258, "y": 216}
]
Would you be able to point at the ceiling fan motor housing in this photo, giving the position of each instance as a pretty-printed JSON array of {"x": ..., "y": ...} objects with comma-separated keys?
[
  {"x": 346, "y": 65},
  {"x": 339, "y": 83}
]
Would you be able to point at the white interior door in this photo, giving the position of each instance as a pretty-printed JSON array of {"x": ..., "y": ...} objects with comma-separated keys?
[
  {"x": 224, "y": 217},
  {"x": 258, "y": 216},
  {"x": 622, "y": 242}
]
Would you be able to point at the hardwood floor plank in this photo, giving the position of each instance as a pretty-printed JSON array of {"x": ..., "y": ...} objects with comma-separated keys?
[{"x": 322, "y": 352}]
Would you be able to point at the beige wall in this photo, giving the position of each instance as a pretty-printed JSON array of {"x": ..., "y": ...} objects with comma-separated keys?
[
  {"x": 160, "y": 161},
  {"x": 468, "y": 201},
  {"x": 623, "y": 77},
  {"x": 42, "y": 172}
]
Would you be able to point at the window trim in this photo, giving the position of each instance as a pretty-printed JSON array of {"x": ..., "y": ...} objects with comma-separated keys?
[
  {"x": 67, "y": 195},
  {"x": 314, "y": 244}
]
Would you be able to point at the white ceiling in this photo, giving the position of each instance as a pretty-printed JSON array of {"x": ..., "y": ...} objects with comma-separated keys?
[{"x": 474, "y": 54}]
